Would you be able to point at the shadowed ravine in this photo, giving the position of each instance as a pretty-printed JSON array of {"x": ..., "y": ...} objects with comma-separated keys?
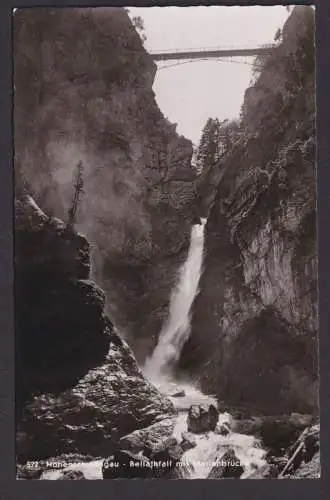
[{"x": 160, "y": 366}]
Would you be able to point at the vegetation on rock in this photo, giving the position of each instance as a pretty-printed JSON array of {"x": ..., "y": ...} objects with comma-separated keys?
[
  {"x": 78, "y": 386},
  {"x": 83, "y": 93},
  {"x": 254, "y": 326}
]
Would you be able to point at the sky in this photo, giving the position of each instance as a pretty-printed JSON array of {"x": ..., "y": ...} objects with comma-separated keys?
[{"x": 191, "y": 93}]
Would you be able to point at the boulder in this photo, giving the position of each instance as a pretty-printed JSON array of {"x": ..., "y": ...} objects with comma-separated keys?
[
  {"x": 309, "y": 470},
  {"x": 311, "y": 442},
  {"x": 223, "y": 429},
  {"x": 188, "y": 441},
  {"x": 301, "y": 420},
  {"x": 249, "y": 426},
  {"x": 229, "y": 466},
  {"x": 148, "y": 438},
  {"x": 169, "y": 450},
  {"x": 72, "y": 474},
  {"x": 303, "y": 450},
  {"x": 178, "y": 394},
  {"x": 168, "y": 453},
  {"x": 125, "y": 465},
  {"x": 23, "y": 472},
  {"x": 265, "y": 472},
  {"x": 110, "y": 401},
  {"x": 278, "y": 434},
  {"x": 295, "y": 459},
  {"x": 202, "y": 418},
  {"x": 311, "y": 439}
]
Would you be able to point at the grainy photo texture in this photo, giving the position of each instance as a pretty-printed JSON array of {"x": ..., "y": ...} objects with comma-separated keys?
[{"x": 165, "y": 243}]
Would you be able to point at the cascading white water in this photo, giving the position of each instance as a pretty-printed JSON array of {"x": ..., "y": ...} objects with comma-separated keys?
[
  {"x": 177, "y": 328},
  {"x": 210, "y": 446}
]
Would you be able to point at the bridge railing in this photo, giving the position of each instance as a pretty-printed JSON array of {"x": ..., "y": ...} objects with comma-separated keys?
[
  {"x": 213, "y": 52},
  {"x": 222, "y": 47}
]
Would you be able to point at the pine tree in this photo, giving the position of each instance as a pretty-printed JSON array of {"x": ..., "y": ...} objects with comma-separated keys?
[
  {"x": 78, "y": 190},
  {"x": 139, "y": 26},
  {"x": 216, "y": 140},
  {"x": 207, "y": 151}
]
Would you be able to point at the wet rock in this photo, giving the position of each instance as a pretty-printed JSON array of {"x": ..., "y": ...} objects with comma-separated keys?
[
  {"x": 235, "y": 412},
  {"x": 278, "y": 462},
  {"x": 28, "y": 214},
  {"x": 303, "y": 450},
  {"x": 184, "y": 471},
  {"x": 308, "y": 470},
  {"x": 168, "y": 454},
  {"x": 277, "y": 432},
  {"x": 250, "y": 426},
  {"x": 277, "y": 435},
  {"x": 229, "y": 467},
  {"x": 178, "y": 394},
  {"x": 125, "y": 465},
  {"x": 188, "y": 441},
  {"x": 265, "y": 472},
  {"x": 25, "y": 472},
  {"x": 301, "y": 421},
  {"x": 112, "y": 400},
  {"x": 296, "y": 458},
  {"x": 311, "y": 442},
  {"x": 148, "y": 438},
  {"x": 72, "y": 474},
  {"x": 170, "y": 449},
  {"x": 202, "y": 418},
  {"x": 57, "y": 464},
  {"x": 223, "y": 429}
]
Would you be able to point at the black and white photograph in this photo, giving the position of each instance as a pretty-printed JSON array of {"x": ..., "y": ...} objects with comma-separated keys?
[{"x": 165, "y": 243}]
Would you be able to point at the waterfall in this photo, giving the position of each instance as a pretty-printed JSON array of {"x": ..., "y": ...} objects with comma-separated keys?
[
  {"x": 176, "y": 330},
  {"x": 210, "y": 446}
]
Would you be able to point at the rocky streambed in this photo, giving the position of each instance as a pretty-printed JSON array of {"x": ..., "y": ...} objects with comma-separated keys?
[{"x": 199, "y": 442}]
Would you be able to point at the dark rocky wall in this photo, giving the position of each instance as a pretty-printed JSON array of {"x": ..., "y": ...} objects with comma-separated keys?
[
  {"x": 59, "y": 311},
  {"x": 78, "y": 386},
  {"x": 254, "y": 326},
  {"x": 83, "y": 91}
]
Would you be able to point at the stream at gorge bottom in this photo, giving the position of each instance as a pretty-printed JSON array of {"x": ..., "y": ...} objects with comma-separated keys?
[
  {"x": 197, "y": 462},
  {"x": 211, "y": 445}
]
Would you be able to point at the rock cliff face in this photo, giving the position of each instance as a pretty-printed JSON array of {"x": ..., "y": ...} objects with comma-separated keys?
[
  {"x": 78, "y": 386},
  {"x": 83, "y": 92},
  {"x": 254, "y": 327}
]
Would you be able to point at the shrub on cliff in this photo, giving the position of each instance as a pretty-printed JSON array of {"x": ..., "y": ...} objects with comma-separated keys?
[
  {"x": 282, "y": 75},
  {"x": 257, "y": 305},
  {"x": 216, "y": 140}
]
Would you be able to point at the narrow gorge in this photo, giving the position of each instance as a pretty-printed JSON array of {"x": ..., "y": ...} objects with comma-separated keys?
[{"x": 173, "y": 318}]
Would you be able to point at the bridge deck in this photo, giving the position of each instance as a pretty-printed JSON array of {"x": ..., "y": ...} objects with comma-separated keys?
[{"x": 206, "y": 54}]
